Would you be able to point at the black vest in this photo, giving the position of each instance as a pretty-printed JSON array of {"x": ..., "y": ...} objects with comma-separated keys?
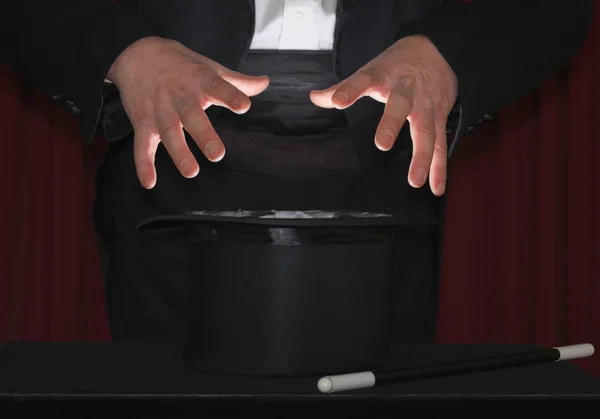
[{"x": 284, "y": 134}]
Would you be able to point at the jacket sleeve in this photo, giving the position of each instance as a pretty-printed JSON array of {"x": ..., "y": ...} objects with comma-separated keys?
[
  {"x": 502, "y": 49},
  {"x": 66, "y": 47}
]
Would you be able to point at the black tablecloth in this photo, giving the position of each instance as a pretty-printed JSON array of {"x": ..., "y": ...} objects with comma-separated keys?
[{"x": 39, "y": 374}]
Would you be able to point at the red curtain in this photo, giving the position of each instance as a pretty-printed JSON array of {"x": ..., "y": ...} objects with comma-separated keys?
[{"x": 522, "y": 251}]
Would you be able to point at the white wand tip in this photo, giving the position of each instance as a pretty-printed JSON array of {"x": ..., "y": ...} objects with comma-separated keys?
[
  {"x": 325, "y": 385},
  {"x": 575, "y": 351}
]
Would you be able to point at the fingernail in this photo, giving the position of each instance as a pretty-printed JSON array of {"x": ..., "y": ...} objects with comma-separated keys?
[
  {"x": 187, "y": 167},
  {"x": 341, "y": 98},
  {"x": 148, "y": 183},
  {"x": 241, "y": 103},
  {"x": 420, "y": 176},
  {"x": 441, "y": 187},
  {"x": 213, "y": 150},
  {"x": 385, "y": 137}
]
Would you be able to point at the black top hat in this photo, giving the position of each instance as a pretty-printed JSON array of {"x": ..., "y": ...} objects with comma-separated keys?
[{"x": 280, "y": 293}]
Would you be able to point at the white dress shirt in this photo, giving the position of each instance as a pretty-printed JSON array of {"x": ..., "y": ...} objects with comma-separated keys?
[{"x": 294, "y": 25}]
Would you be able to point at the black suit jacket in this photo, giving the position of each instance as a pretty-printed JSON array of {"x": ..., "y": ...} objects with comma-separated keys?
[{"x": 499, "y": 49}]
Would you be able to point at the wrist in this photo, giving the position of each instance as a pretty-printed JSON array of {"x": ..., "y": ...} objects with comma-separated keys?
[
  {"x": 124, "y": 64},
  {"x": 433, "y": 62}
]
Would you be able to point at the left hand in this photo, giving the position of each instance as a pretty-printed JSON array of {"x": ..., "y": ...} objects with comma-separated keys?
[{"x": 417, "y": 85}]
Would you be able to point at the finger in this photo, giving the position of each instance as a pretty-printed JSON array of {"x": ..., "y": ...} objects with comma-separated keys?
[
  {"x": 439, "y": 164},
  {"x": 323, "y": 98},
  {"x": 173, "y": 138},
  {"x": 249, "y": 85},
  {"x": 423, "y": 133},
  {"x": 197, "y": 123},
  {"x": 145, "y": 143},
  {"x": 397, "y": 109},
  {"x": 222, "y": 93},
  {"x": 365, "y": 81}
]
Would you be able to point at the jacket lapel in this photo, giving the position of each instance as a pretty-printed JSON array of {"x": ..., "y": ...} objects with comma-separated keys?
[
  {"x": 211, "y": 28},
  {"x": 365, "y": 31}
]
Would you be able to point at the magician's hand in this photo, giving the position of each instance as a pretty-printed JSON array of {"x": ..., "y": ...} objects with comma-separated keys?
[
  {"x": 417, "y": 85},
  {"x": 165, "y": 88}
]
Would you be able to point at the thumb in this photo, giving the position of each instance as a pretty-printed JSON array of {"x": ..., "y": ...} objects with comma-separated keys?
[
  {"x": 324, "y": 98},
  {"x": 250, "y": 85}
]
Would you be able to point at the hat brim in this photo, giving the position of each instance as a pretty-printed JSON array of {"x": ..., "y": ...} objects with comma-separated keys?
[{"x": 265, "y": 218}]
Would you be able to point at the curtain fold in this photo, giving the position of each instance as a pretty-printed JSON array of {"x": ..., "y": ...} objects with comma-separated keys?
[
  {"x": 50, "y": 278},
  {"x": 521, "y": 258},
  {"x": 522, "y": 253}
]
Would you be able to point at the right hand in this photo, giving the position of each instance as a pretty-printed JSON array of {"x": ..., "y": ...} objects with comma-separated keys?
[{"x": 165, "y": 88}]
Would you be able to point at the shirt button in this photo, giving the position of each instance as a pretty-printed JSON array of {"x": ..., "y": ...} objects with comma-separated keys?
[{"x": 298, "y": 16}]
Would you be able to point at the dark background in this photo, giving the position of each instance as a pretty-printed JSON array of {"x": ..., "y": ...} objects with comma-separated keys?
[{"x": 522, "y": 250}]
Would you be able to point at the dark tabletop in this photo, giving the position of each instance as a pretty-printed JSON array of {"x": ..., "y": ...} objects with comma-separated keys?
[{"x": 30, "y": 371}]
